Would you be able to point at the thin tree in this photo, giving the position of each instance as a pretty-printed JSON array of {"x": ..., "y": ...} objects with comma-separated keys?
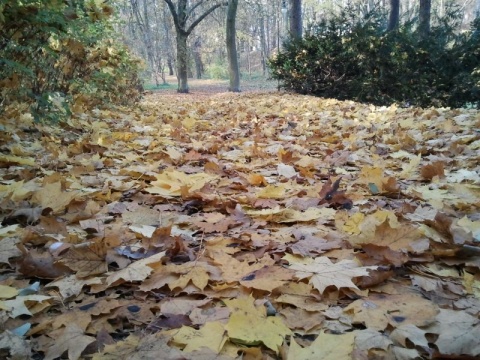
[
  {"x": 394, "y": 15},
  {"x": 296, "y": 19},
  {"x": 231, "y": 37},
  {"x": 143, "y": 23},
  {"x": 181, "y": 16},
  {"x": 424, "y": 18}
]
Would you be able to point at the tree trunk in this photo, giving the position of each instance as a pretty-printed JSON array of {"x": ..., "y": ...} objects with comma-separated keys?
[
  {"x": 182, "y": 63},
  {"x": 296, "y": 19},
  {"x": 424, "y": 18},
  {"x": 181, "y": 16},
  {"x": 394, "y": 15},
  {"x": 170, "y": 66},
  {"x": 232, "y": 47},
  {"x": 198, "y": 58},
  {"x": 263, "y": 43},
  {"x": 168, "y": 43}
]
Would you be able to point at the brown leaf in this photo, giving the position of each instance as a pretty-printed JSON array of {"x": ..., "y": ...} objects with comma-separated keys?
[
  {"x": 337, "y": 199},
  {"x": 86, "y": 261},
  {"x": 429, "y": 171},
  {"x": 42, "y": 265},
  {"x": 381, "y": 255},
  {"x": 169, "y": 321},
  {"x": 71, "y": 340}
]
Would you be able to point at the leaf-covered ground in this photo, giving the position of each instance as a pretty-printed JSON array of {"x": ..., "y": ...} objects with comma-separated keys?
[{"x": 241, "y": 226}]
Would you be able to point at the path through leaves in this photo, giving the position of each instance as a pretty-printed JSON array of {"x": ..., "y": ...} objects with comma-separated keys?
[{"x": 252, "y": 226}]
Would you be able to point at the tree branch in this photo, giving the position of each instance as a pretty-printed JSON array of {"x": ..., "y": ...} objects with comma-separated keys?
[
  {"x": 194, "y": 7},
  {"x": 171, "y": 6},
  {"x": 203, "y": 16}
]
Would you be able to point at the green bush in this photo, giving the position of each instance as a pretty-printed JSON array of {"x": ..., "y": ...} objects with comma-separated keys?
[
  {"x": 354, "y": 57},
  {"x": 218, "y": 70}
]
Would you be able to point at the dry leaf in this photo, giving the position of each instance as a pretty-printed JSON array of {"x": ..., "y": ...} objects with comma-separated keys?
[{"x": 323, "y": 273}]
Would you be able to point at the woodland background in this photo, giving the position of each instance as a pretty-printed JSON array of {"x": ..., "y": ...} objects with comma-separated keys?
[
  {"x": 56, "y": 54},
  {"x": 336, "y": 220}
]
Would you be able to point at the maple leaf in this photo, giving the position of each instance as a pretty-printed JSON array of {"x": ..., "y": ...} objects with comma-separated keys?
[
  {"x": 375, "y": 311},
  {"x": 409, "y": 332},
  {"x": 72, "y": 340},
  {"x": 86, "y": 261},
  {"x": 459, "y": 326},
  {"x": 331, "y": 195},
  {"x": 17, "y": 346},
  {"x": 140, "y": 347},
  {"x": 234, "y": 270},
  {"x": 8, "y": 249},
  {"x": 267, "y": 278},
  {"x": 136, "y": 271},
  {"x": 71, "y": 285},
  {"x": 26, "y": 305},
  {"x": 325, "y": 347},
  {"x": 211, "y": 335},
  {"x": 406, "y": 238},
  {"x": 249, "y": 325},
  {"x": 52, "y": 196},
  {"x": 323, "y": 273},
  {"x": 170, "y": 183}
]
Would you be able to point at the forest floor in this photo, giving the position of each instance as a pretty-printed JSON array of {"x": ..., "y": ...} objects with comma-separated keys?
[
  {"x": 253, "y": 225},
  {"x": 205, "y": 87}
]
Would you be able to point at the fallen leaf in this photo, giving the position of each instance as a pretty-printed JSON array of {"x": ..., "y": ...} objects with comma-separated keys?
[
  {"x": 325, "y": 347},
  {"x": 211, "y": 335},
  {"x": 140, "y": 347},
  {"x": 249, "y": 325},
  {"x": 379, "y": 311},
  {"x": 72, "y": 340},
  {"x": 16, "y": 346},
  {"x": 457, "y": 325},
  {"x": 323, "y": 273}
]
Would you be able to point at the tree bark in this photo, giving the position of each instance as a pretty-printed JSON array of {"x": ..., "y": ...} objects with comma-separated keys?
[
  {"x": 263, "y": 43},
  {"x": 197, "y": 57},
  {"x": 394, "y": 15},
  {"x": 233, "y": 69},
  {"x": 181, "y": 16},
  {"x": 182, "y": 62},
  {"x": 424, "y": 18},
  {"x": 296, "y": 19}
]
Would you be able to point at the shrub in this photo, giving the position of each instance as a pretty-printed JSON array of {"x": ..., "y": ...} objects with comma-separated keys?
[
  {"x": 217, "y": 70},
  {"x": 54, "y": 53},
  {"x": 354, "y": 57}
]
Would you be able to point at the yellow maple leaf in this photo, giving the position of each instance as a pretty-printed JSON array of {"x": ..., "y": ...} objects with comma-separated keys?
[
  {"x": 325, "y": 347},
  {"x": 171, "y": 182},
  {"x": 323, "y": 273},
  {"x": 272, "y": 192},
  {"x": 211, "y": 335},
  {"x": 52, "y": 196},
  {"x": 249, "y": 325},
  {"x": 72, "y": 340}
]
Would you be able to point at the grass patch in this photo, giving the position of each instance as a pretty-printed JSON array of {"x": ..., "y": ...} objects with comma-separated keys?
[{"x": 166, "y": 86}]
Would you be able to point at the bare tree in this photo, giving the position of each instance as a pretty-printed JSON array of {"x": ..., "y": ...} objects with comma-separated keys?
[
  {"x": 142, "y": 21},
  {"x": 183, "y": 27}
]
